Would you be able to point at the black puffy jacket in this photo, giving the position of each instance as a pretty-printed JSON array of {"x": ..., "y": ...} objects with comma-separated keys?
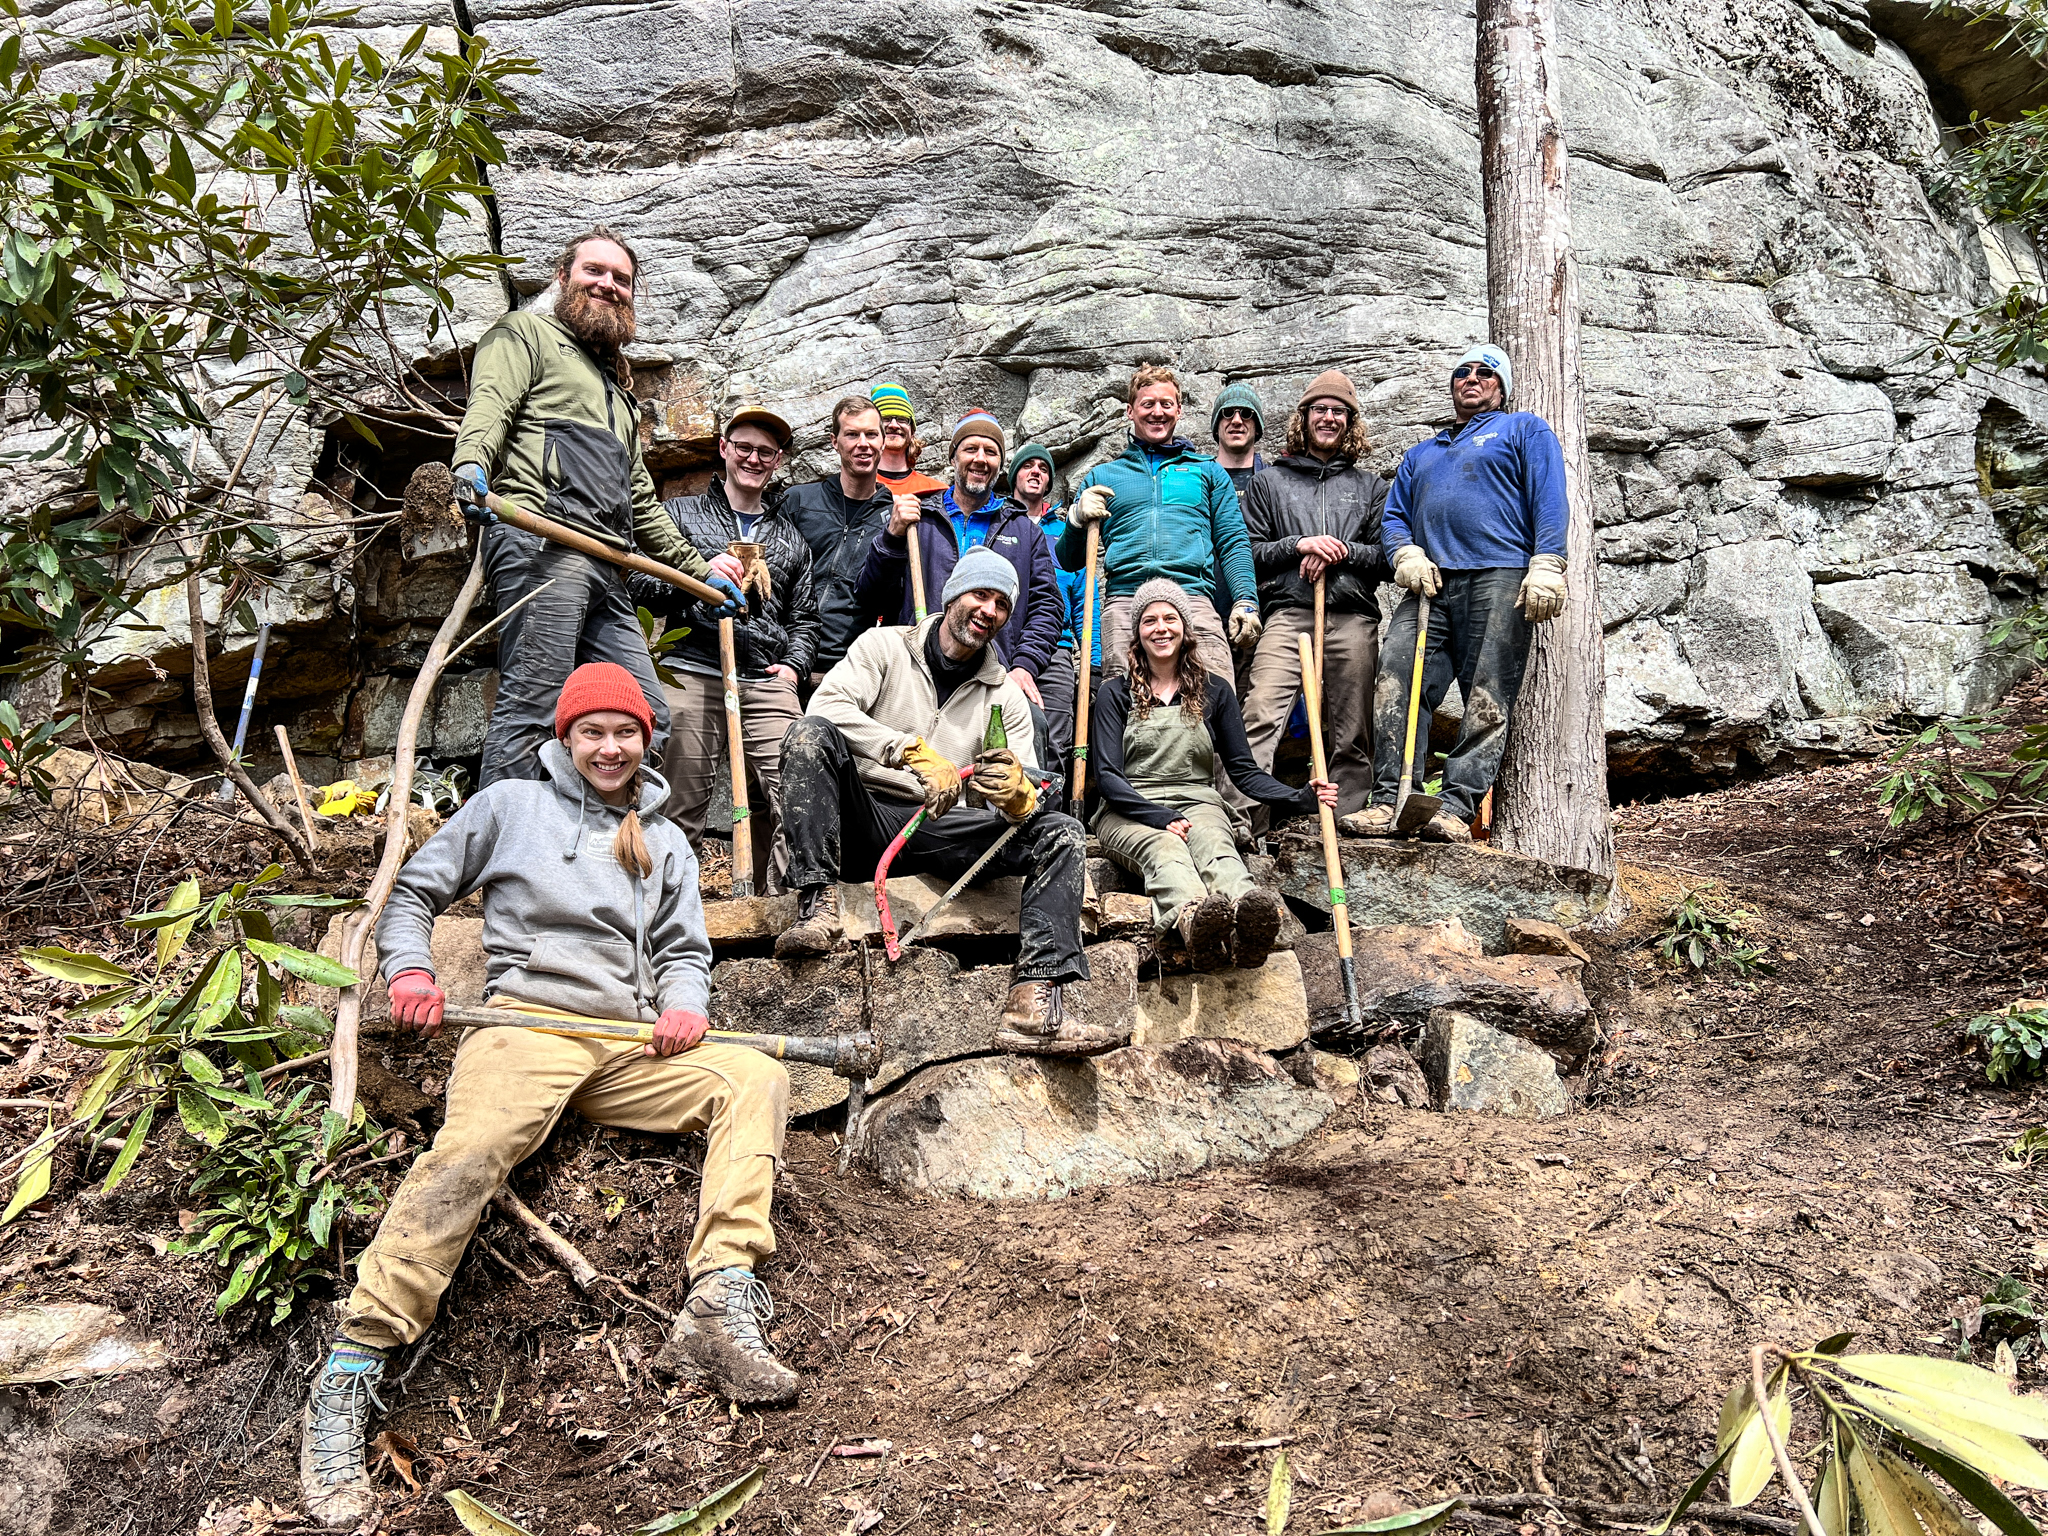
[
  {"x": 783, "y": 631},
  {"x": 1302, "y": 495},
  {"x": 838, "y": 531}
]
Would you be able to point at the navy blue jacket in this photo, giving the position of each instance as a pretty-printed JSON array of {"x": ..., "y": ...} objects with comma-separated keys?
[
  {"x": 1484, "y": 496},
  {"x": 1036, "y": 618}
]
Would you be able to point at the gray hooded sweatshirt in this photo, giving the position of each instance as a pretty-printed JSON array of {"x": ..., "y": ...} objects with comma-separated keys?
[{"x": 564, "y": 923}]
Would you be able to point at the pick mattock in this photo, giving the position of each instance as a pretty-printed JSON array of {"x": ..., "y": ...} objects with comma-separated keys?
[
  {"x": 1333, "y": 862},
  {"x": 1081, "y": 660},
  {"x": 1412, "y": 812}
]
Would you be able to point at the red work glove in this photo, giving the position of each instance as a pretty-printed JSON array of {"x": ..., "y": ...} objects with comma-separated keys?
[
  {"x": 676, "y": 1030},
  {"x": 417, "y": 1002}
]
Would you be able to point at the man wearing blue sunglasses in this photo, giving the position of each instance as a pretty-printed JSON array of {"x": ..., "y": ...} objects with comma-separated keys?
[{"x": 1475, "y": 521}]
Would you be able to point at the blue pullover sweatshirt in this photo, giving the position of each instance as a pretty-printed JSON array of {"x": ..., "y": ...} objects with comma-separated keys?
[
  {"x": 1175, "y": 514},
  {"x": 1484, "y": 496}
]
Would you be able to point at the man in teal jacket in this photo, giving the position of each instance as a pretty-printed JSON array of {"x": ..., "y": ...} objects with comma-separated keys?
[{"x": 1166, "y": 510}]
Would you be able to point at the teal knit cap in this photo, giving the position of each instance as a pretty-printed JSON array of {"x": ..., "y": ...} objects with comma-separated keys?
[
  {"x": 1239, "y": 397},
  {"x": 1029, "y": 452}
]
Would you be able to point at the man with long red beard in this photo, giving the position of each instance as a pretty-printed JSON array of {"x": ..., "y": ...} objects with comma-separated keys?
[{"x": 553, "y": 426}]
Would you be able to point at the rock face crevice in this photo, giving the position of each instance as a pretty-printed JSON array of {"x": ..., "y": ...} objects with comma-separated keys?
[{"x": 1009, "y": 206}]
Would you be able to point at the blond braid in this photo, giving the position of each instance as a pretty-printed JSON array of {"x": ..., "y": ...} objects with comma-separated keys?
[{"x": 629, "y": 845}]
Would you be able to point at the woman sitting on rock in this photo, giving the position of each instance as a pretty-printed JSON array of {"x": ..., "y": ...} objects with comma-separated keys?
[
  {"x": 1157, "y": 731},
  {"x": 591, "y": 906}
]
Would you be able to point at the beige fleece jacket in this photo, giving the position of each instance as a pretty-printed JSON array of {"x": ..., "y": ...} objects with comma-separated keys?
[{"x": 882, "y": 698}]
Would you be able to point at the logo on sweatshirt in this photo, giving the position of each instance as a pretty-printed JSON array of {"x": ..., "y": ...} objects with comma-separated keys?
[{"x": 1480, "y": 440}]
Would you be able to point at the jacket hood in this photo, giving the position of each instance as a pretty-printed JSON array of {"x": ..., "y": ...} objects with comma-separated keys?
[
  {"x": 573, "y": 787},
  {"x": 1309, "y": 464},
  {"x": 1179, "y": 448}
]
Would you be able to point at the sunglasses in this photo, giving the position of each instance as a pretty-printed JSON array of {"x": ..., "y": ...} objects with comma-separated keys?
[
  {"x": 1471, "y": 370},
  {"x": 751, "y": 454},
  {"x": 1236, "y": 413}
]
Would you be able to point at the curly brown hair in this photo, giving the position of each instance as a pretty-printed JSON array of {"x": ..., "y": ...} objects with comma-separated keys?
[
  {"x": 1192, "y": 676},
  {"x": 1353, "y": 445}
]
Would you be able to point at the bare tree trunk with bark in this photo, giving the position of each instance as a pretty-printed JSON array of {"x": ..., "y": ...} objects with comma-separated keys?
[{"x": 1552, "y": 794}]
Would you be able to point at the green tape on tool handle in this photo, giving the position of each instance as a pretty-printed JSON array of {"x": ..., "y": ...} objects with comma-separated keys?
[{"x": 1336, "y": 895}]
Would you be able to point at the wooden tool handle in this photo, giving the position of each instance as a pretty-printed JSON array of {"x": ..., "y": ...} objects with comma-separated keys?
[
  {"x": 736, "y": 756},
  {"x": 548, "y": 528},
  {"x": 1333, "y": 862},
  {"x": 1083, "y": 660},
  {"x": 844, "y": 1054},
  {"x": 916, "y": 572}
]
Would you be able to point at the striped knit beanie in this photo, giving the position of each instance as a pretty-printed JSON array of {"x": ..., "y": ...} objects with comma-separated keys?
[
  {"x": 978, "y": 423},
  {"x": 893, "y": 400}
]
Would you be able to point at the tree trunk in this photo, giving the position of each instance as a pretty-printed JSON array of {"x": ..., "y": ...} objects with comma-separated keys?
[{"x": 1552, "y": 795}]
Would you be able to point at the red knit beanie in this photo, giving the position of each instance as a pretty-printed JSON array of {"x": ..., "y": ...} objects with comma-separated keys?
[{"x": 602, "y": 685}]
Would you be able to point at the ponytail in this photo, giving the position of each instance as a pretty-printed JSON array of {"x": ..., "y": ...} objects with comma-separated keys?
[{"x": 629, "y": 844}]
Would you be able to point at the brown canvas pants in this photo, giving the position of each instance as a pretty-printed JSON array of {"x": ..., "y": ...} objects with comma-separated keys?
[
  {"x": 508, "y": 1089},
  {"x": 696, "y": 746},
  {"x": 1351, "y": 652}
]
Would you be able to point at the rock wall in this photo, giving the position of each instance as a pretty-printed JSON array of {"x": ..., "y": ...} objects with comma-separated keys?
[{"x": 1009, "y": 204}]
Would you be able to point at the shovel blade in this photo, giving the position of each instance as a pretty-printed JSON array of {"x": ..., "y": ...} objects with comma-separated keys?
[{"x": 1416, "y": 811}]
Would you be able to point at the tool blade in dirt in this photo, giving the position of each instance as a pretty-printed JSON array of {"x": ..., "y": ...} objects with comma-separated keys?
[
  {"x": 891, "y": 945},
  {"x": 1412, "y": 812}
]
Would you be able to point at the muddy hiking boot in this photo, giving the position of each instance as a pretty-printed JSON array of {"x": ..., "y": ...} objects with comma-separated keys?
[
  {"x": 1258, "y": 925},
  {"x": 1443, "y": 827},
  {"x": 718, "y": 1335},
  {"x": 818, "y": 930},
  {"x": 1036, "y": 1023},
  {"x": 333, "y": 1481},
  {"x": 1373, "y": 821},
  {"x": 1205, "y": 929}
]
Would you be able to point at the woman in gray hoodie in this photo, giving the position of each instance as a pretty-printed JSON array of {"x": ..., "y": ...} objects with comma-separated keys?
[{"x": 590, "y": 905}]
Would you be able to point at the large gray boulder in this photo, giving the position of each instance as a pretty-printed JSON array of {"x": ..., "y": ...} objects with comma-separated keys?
[
  {"x": 1034, "y": 1128},
  {"x": 1472, "y": 1066}
]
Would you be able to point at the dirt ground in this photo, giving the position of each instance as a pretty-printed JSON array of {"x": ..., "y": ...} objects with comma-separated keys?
[{"x": 1411, "y": 1304}]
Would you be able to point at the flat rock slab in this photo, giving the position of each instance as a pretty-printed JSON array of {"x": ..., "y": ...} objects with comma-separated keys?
[
  {"x": 1267, "y": 1008},
  {"x": 1035, "y": 1128},
  {"x": 1472, "y": 1066},
  {"x": 825, "y": 996},
  {"x": 1399, "y": 880},
  {"x": 1405, "y": 973}
]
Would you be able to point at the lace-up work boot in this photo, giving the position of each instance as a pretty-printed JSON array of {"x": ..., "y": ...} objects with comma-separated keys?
[
  {"x": 1036, "y": 1023},
  {"x": 333, "y": 1482},
  {"x": 1443, "y": 827},
  {"x": 1258, "y": 925},
  {"x": 719, "y": 1335},
  {"x": 818, "y": 930},
  {"x": 1373, "y": 821},
  {"x": 1205, "y": 928}
]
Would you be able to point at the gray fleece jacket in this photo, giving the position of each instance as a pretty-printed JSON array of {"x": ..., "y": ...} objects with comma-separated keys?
[{"x": 564, "y": 923}]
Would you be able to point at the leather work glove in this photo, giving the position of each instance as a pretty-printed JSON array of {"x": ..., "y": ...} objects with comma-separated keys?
[
  {"x": 1543, "y": 590},
  {"x": 1092, "y": 506},
  {"x": 735, "y": 602},
  {"x": 677, "y": 1030},
  {"x": 1414, "y": 572},
  {"x": 471, "y": 487},
  {"x": 941, "y": 780},
  {"x": 1245, "y": 625},
  {"x": 1000, "y": 781},
  {"x": 417, "y": 1002}
]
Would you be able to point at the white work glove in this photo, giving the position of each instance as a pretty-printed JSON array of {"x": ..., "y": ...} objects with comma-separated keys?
[
  {"x": 1543, "y": 589},
  {"x": 1092, "y": 506},
  {"x": 1414, "y": 572},
  {"x": 1245, "y": 626}
]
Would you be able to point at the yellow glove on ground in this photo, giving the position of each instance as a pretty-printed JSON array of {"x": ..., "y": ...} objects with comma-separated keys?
[
  {"x": 1245, "y": 625},
  {"x": 1000, "y": 781},
  {"x": 941, "y": 780},
  {"x": 1414, "y": 572},
  {"x": 1543, "y": 589},
  {"x": 1091, "y": 506}
]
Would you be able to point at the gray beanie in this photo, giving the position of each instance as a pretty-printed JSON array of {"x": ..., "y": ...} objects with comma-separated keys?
[
  {"x": 1160, "y": 590},
  {"x": 982, "y": 569},
  {"x": 1495, "y": 358}
]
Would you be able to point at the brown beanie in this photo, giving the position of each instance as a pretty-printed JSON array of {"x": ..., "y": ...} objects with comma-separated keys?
[{"x": 1330, "y": 385}]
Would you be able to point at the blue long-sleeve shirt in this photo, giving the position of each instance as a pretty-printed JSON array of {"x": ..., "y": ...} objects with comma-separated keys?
[{"x": 1487, "y": 495}]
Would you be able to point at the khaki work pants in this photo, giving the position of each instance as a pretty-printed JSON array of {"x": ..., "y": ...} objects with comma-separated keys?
[
  {"x": 1176, "y": 872},
  {"x": 508, "y": 1089},
  {"x": 1212, "y": 644},
  {"x": 1351, "y": 652},
  {"x": 696, "y": 746}
]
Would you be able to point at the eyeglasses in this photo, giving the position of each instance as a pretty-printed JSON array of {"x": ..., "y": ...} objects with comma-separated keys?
[
  {"x": 1237, "y": 413},
  {"x": 1320, "y": 408},
  {"x": 748, "y": 453},
  {"x": 1474, "y": 370}
]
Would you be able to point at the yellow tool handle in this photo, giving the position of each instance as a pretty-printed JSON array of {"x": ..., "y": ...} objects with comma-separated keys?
[{"x": 1415, "y": 692}]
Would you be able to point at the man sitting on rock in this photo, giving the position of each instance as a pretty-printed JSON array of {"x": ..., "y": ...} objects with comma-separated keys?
[
  {"x": 1476, "y": 521},
  {"x": 590, "y": 905},
  {"x": 883, "y": 738}
]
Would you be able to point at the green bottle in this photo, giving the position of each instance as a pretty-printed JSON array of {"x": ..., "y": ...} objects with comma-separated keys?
[{"x": 995, "y": 737}]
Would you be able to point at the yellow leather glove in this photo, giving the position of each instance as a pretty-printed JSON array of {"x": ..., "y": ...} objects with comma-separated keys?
[
  {"x": 1414, "y": 572},
  {"x": 1543, "y": 591},
  {"x": 1001, "y": 782},
  {"x": 941, "y": 780},
  {"x": 1091, "y": 506}
]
